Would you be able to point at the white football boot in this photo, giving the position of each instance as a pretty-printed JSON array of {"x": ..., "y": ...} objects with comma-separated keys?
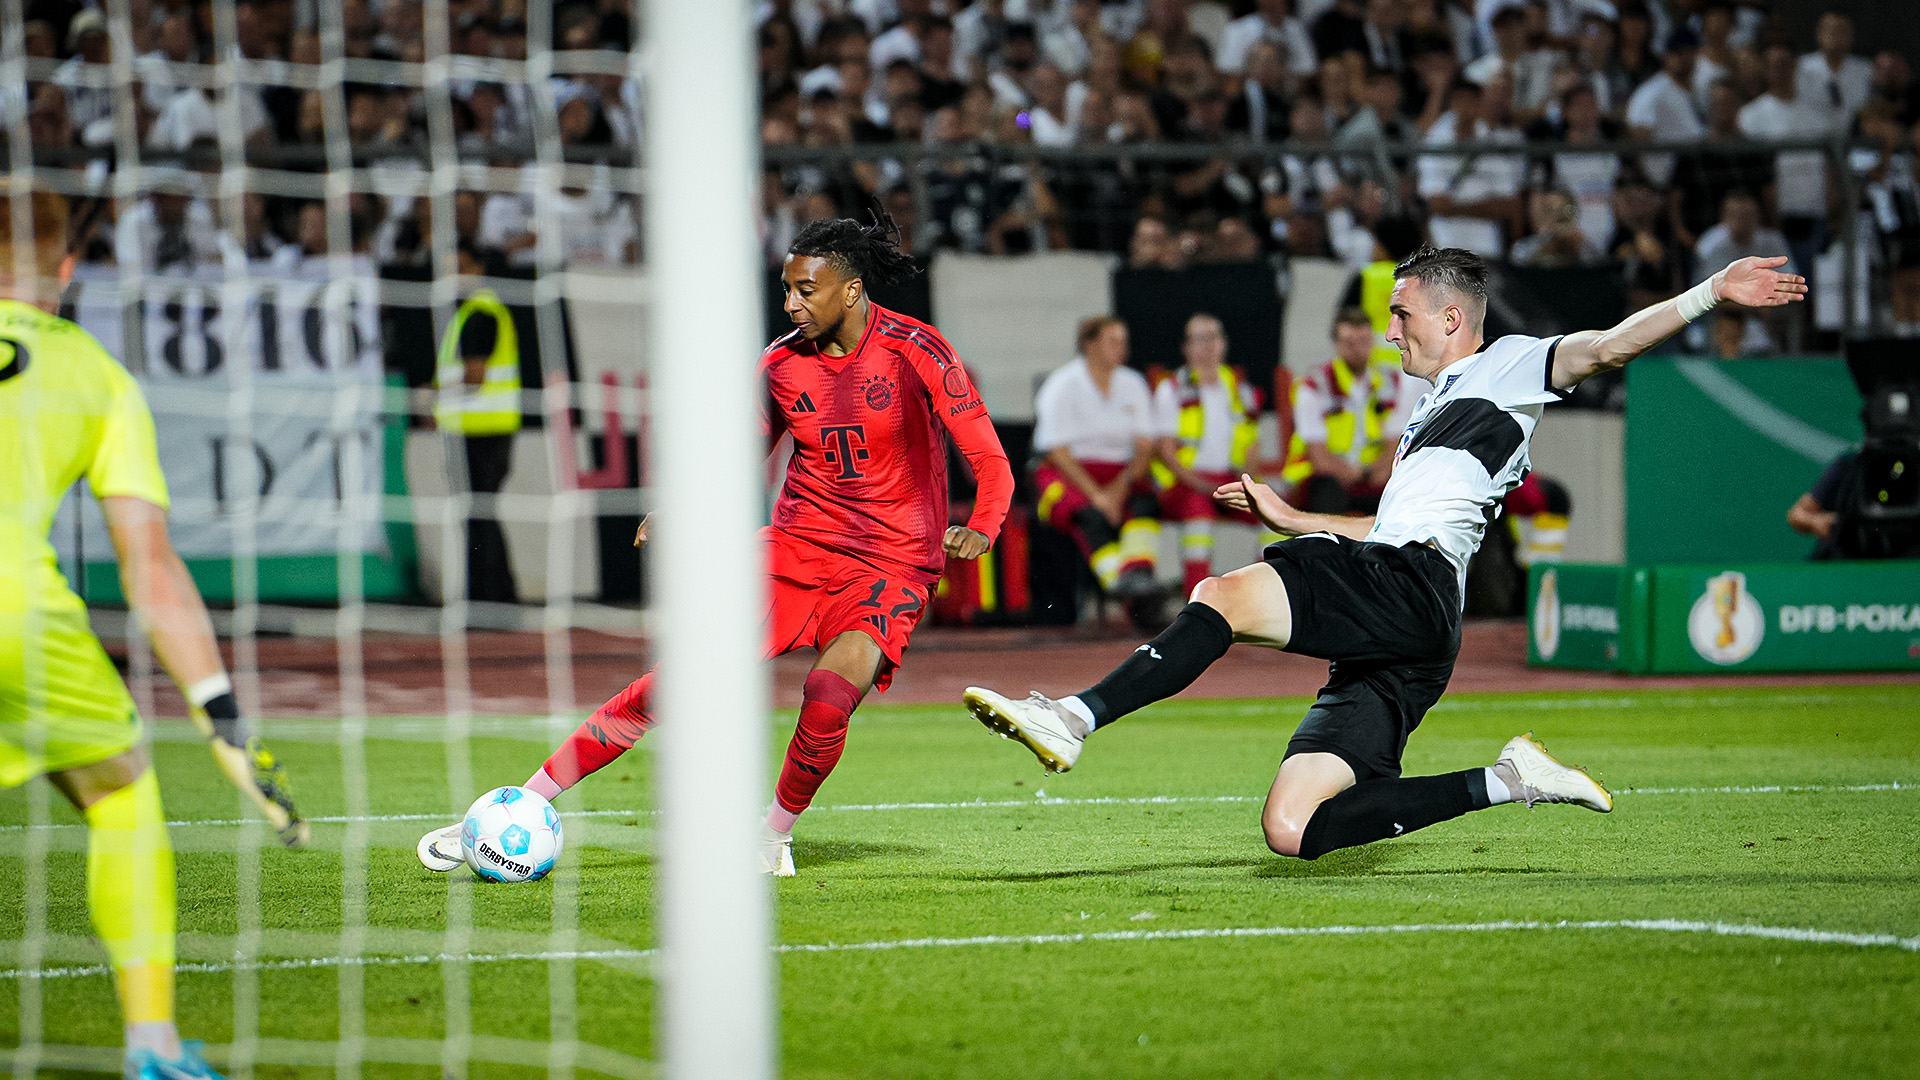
[
  {"x": 1535, "y": 777},
  {"x": 1041, "y": 723},
  {"x": 439, "y": 850},
  {"x": 776, "y": 852}
]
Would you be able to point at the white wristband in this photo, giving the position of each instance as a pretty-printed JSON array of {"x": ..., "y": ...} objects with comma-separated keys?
[
  {"x": 1697, "y": 301},
  {"x": 209, "y": 688}
]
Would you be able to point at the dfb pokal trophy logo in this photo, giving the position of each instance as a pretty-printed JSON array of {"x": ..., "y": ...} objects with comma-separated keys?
[
  {"x": 1546, "y": 616},
  {"x": 1726, "y": 623}
]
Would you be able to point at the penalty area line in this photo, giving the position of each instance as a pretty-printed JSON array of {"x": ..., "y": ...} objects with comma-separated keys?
[
  {"x": 1003, "y": 804},
  {"x": 1801, "y": 935}
]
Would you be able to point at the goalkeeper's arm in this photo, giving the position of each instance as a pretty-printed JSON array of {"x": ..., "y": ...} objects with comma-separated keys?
[{"x": 163, "y": 596}]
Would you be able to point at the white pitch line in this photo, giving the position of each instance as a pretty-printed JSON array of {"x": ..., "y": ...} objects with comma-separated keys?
[
  {"x": 1000, "y": 804},
  {"x": 1797, "y": 934}
]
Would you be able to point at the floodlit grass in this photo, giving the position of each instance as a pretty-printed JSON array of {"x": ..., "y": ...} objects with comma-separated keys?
[{"x": 1838, "y": 854}]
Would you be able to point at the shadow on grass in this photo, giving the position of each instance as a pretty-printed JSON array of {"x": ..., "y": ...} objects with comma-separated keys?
[
  {"x": 1349, "y": 862},
  {"x": 1112, "y": 871},
  {"x": 811, "y": 853}
]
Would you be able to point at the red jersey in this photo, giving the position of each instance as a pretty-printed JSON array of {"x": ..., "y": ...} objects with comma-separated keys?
[{"x": 868, "y": 476}]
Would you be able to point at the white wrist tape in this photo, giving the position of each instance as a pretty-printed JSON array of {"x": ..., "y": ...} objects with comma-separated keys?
[
  {"x": 1697, "y": 301},
  {"x": 209, "y": 688}
]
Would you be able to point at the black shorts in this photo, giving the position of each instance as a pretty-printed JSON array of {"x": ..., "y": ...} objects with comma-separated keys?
[{"x": 1389, "y": 620}]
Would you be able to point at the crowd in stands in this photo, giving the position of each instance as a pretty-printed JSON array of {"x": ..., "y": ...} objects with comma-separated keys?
[
  {"x": 978, "y": 83},
  {"x": 289, "y": 112}
]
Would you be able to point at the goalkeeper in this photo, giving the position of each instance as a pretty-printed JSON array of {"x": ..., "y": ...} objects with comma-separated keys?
[{"x": 68, "y": 410}]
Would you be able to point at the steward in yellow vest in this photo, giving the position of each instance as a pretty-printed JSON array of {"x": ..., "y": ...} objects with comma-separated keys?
[
  {"x": 1206, "y": 417},
  {"x": 1346, "y": 419},
  {"x": 478, "y": 379},
  {"x": 478, "y": 374}
]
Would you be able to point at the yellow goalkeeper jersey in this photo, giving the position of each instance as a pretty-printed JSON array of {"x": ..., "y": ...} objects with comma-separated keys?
[{"x": 67, "y": 410}]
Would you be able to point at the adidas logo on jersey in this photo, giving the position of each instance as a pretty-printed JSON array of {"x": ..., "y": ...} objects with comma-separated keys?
[{"x": 803, "y": 403}]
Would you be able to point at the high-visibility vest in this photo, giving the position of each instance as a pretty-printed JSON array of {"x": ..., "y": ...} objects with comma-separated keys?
[
  {"x": 1193, "y": 421},
  {"x": 1342, "y": 425},
  {"x": 493, "y": 407},
  {"x": 1376, "y": 292}
]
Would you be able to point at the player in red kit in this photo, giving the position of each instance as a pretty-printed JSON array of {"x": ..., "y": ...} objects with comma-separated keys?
[{"x": 859, "y": 535}]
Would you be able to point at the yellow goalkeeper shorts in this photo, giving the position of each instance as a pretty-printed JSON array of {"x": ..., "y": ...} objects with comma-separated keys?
[{"x": 62, "y": 704}]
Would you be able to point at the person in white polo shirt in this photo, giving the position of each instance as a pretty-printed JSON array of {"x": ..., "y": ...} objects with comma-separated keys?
[
  {"x": 1093, "y": 430},
  {"x": 1664, "y": 109}
]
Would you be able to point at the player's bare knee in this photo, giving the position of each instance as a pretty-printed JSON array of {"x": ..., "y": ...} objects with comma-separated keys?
[{"x": 1282, "y": 833}]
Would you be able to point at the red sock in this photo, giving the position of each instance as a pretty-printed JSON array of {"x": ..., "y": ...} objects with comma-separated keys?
[
  {"x": 609, "y": 732},
  {"x": 827, "y": 702}
]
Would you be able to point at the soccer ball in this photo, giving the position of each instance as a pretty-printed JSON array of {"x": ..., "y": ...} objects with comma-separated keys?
[{"x": 511, "y": 834}]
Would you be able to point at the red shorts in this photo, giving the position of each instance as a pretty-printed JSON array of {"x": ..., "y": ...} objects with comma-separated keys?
[
  {"x": 1182, "y": 503},
  {"x": 815, "y": 595}
]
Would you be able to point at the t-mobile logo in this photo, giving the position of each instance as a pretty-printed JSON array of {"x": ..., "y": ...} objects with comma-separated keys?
[{"x": 846, "y": 446}]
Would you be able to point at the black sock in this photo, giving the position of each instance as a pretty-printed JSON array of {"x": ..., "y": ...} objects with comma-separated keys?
[
  {"x": 1162, "y": 667},
  {"x": 1391, "y": 806}
]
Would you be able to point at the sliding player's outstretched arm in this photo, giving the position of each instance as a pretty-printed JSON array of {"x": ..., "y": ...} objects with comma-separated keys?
[
  {"x": 1754, "y": 282},
  {"x": 163, "y": 595}
]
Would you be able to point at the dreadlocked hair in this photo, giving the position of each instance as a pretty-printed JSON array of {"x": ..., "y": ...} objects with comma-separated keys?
[{"x": 868, "y": 252}]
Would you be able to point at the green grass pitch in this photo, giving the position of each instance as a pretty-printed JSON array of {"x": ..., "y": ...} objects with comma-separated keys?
[{"x": 1101, "y": 983}]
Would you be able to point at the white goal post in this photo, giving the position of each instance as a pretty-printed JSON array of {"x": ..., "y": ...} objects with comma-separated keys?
[{"x": 716, "y": 996}]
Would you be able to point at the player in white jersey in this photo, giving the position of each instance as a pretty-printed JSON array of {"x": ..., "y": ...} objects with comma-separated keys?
[{"x": 1380, "y": 597}]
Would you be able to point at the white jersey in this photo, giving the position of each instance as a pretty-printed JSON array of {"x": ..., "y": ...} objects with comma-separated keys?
[{"x": 1466, "y": 447}]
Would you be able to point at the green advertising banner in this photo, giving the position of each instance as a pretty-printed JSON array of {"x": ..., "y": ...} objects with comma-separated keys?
[
  {"x": 1591, "y": 617},
  {"x": 1831, "y": 616},
  {"x": 1712, "y": 618},
  {"x": 1716, "y": 450}
]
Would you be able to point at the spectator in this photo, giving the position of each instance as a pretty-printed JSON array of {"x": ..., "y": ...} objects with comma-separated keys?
[
  {"x": 1271, "y": 23},
  {"x": 1663, "y": 109},
  {"x": 1347, "y": 416},
  {"x": 1529, "y": 70},
  {"x": 1716, "y": 60},
  {"x": 1800, "y": 177},
  {"x": 1152, "y": 247},
  {"x": 1637, "y": 56},
  {"x": 1013, "y": 73},
  {"x": 1701, "y": 178},
  {"x": 1473, "y": 200},
  {"x": 1066, "y": 36},
  {"x": 1834, "y": 84},
  {"x": 940, "y": 86},
  {"x": 1259, "y": 110},
  {"x": 1894, "y": 84},
  {"x": 1093, "y": 424},
  {"x": 1739, "y": 235},
  {"x": 1588, "y": 176},
  {"x": 1055, "y": 122},
  {"x": 1384, "y": 30},
  {"x": 1556, "y": 240},
  {"x": 1894, "y": 196},
  {"x": 979, "y": 32},
  {"x": 1204, "y": 417},
  {"x": 1339, "y": 28},
  {"x": 89, "y": 108},
  {"x": 1596, "y": 61},
  {"x": 169, "y": 231},
  {"x": 1651, "y": 261}
]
